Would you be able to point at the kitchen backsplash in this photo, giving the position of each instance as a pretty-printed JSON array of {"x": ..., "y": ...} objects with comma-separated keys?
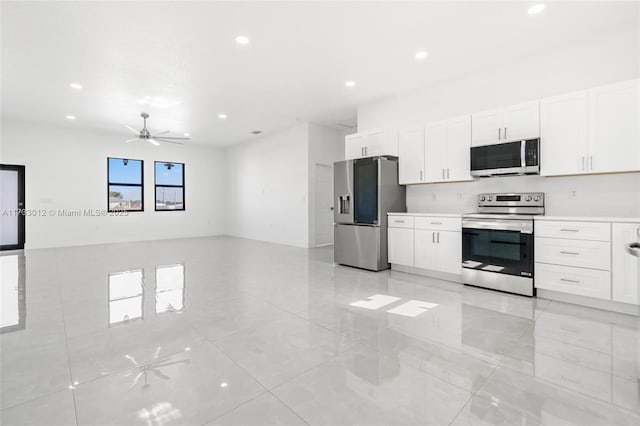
[{"x": 616, "y": 195}]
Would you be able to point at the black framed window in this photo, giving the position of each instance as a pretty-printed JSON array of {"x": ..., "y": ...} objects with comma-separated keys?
[
  {"x": 125, "y": 184},
  {"x": 169, "y": 186}
]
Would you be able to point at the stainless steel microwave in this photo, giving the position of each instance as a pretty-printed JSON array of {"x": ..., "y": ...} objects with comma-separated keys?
[{"x": 510, "y": 158}]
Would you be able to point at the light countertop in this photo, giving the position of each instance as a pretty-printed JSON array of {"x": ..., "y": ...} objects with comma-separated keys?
[
  {"x": 589, "y": 219},
  {"x": 426, "y": 214}
]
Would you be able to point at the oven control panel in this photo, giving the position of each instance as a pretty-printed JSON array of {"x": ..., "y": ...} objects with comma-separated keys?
[{"x": 523, "y": 199}]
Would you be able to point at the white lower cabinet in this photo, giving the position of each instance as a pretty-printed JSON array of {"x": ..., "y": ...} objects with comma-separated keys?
[
  {"x": 588, "y": 259},
  {"x": 625, "y": 267},
  {"x": 567, "y": 279},
  {"x": 433, "y": 243},
  {"x": 574, "y": 258},
  {"x": 425, "y": 249},
  {"x": 449, "y": 252},
  {"x": 400, "y": 246}
]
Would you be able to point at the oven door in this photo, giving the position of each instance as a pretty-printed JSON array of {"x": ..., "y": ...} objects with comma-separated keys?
[{"x": 498, "y": 246}]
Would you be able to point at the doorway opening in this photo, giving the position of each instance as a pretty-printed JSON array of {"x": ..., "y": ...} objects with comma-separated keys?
[{"x": 12, "y": 206}]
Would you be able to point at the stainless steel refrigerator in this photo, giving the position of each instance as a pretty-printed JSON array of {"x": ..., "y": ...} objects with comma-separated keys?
[{"x": 365, "y": 190}]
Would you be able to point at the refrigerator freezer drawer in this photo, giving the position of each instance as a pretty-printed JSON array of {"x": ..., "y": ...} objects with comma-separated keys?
[{"x": 361, "y": 246}]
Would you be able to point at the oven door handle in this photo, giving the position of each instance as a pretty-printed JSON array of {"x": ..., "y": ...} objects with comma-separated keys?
[{"x": 524, "y": 227}]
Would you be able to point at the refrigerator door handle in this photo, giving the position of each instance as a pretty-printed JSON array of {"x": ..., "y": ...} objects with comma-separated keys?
[{"x": 633, "y": 249}]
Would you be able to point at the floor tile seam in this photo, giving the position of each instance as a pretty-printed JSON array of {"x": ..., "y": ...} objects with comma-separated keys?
[
  {"x": 302, "y": 373},
  {"x": 66, "y": 341},
  {"x": 290, "y": 408},
  {"x": 317, "y": 324},
  {"x": 240, "y": 330},
  {"x": 242, "y": 404},
  {"x": 418, "y": 369},
  {"x": 560, "y": 388},
  {"x": 226, "y": 355},
  {"x": 461, "y": 409},
  {"x": 555, "y": 339},
  {"x": 27, "y": 401}
]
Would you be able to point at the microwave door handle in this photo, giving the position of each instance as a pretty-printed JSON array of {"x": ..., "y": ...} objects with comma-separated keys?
[{"x": 523, "y": 150}]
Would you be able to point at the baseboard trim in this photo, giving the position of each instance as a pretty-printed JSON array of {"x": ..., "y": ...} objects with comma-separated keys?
[
  {"x": 608, "y": 305},
  {"x": 427, "y": 273}
]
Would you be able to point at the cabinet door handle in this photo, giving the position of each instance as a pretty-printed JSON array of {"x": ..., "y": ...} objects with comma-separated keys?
[
  {"x": 420, "y": 174},
  {"x": 438, "y": 240},
  {"x": 505, "y": 133},
  {"x": 499, "y": 134},
  {"x": 433, "y": 237},
  {"x": 569, "y": 230},
  {"x": 591, "y": 162},
  {"x": 448, "y": 177},
  {"x": 436, "y": 223},
  {"x": 362, "y": 151},
  {"x": 399, "y": 221},
  {"x": 442, "y": 174},
  {"x": 569, "y": 281},
  {"x": 574, "y": 253},
  {"x": 583, "y": 162}
]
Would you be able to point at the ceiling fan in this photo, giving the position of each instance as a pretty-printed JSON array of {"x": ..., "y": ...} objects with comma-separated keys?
[{"x": 146, "y": 135}]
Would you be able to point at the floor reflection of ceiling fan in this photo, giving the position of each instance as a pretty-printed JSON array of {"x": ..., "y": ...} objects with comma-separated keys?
[{"x": 145, "y": 135}]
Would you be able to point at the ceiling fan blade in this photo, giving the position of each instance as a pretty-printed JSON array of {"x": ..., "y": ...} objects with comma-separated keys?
[
  {"x": 137, "y": 132},
  {"x": 170, "y": 141},
  {"x": 161, "y": 133},
  {"x": 171, "y": 137},
  {"x": 131, "y": 140},
  {"x": 153, "y": 142}
]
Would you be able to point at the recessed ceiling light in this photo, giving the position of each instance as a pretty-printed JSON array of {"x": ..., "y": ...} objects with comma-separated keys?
[
  {"x": 224, "y": 384},
  {"x": 350, "y": 83},
  {"x": 422, "y": 54},
  {"x": 187, "y": 134},
  {"x": 242, "y": 39},
  {"x": 222, "y": 116},
  {"x": 76, "y": 86},
  {"x": 70, "y": 117},
  {"x": 537, "y": 8}
]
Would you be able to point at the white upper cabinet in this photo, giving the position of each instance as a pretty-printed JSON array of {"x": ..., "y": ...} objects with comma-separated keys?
[
  {"x": 371, "y": 143},
  {"x": 435, "y": 151},
  {"x": 487, "y": 127},
  {"x": 563, "y": 130},
  {"x": 614, "y": 127},
  {"x": 411, "y": 155},
  {"x": 458, "y": 146},
  {"x": 593, "y": 131},
  {"x": 354, "y": 145},
  {"x": 446, "y": 153},
  {"x": 516, "y": 122},
  {"x": 522, "y": 121}
]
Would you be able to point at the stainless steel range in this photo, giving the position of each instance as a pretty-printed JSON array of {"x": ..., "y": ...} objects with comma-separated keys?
[{"x": 497, "y": 242}]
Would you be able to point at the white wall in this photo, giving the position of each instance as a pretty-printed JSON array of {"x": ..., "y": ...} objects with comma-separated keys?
[
  {"x": 67, "y": 169},
  {"x": 267, "y": 181},
  {"x": 326, "y": 146},
  {"x": 605, "y": 58}
]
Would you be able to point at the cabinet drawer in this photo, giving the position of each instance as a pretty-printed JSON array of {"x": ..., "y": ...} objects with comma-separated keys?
[
  {"x": 597, "y": 231},
  {"x": 582, "y": 254},
  {"x": 439, "y": 223},
  {"x": 400, "y": 221},
  {"x": 567, "y": 279}
]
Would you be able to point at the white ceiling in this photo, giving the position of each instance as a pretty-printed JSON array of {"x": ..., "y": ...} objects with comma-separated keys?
[{"x": 300, "y": 55}]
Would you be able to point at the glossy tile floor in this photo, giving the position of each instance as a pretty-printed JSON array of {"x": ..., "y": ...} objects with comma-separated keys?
[{"x": 224, "y": 331}]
